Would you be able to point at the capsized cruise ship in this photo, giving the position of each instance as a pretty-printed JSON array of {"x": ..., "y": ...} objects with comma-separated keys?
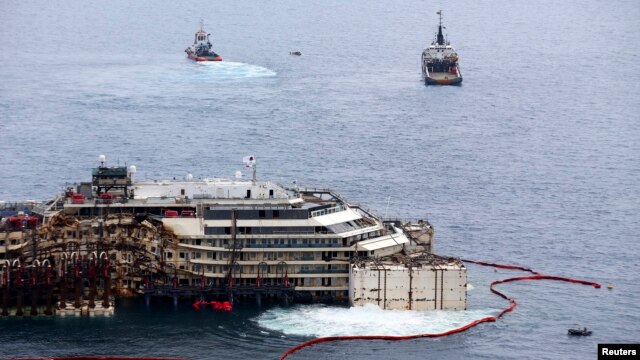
[{"x": 210, "y": 238}]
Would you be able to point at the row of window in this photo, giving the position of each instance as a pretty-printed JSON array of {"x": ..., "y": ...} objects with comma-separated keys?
[
  {"x": 273, "y": 269},
  {"x": 251, "y": 214},
  {"x": 266, "y": 230},
  {"x": 12, "y": 242},
  {"x": 284, "y": 242},
  {"x": 263, "y": 256},
  {"x": 261, "y": 230},
  {"x": 328, "y": 282},
  {"x": 281, "y": 242}
]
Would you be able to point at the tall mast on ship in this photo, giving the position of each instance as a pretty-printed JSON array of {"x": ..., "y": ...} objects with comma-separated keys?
[{"x": 440, "y": 39}]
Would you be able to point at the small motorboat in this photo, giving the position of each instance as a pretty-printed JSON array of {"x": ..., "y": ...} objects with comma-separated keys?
[
  {"x": 580, "y": 332},
  {"x": 201, "y": 48}
]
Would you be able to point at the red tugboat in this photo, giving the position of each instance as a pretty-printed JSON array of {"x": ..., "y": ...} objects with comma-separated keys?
[{"x": 201, "y": 48}]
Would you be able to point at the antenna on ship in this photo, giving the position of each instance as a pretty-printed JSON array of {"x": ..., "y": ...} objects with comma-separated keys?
[
  {"x": 250, "y": 162},
  {"x": 102, "y": 159},
  {"x": 440, "y": 39},
  {"x": 387, "y": 208}
]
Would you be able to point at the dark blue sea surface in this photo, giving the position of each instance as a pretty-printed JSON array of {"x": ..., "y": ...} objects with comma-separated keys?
[{"x": 534, "y": 160}]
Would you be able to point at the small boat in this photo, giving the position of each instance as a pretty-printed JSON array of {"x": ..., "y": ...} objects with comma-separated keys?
[
  {"x": 580, "y": 332},
  {"x": 440, "y": 61},
  {"x": 201, "y": 48}
]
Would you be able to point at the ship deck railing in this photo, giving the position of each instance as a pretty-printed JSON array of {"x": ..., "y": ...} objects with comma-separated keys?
[
  {"x": 340, "y": 198},
  {"x": 327, "y": 211},
  {"x": 220, "y": 290},
  {"x": 14, "y": 207},
  {"x": 397, "y": 220},
  {"x": 282, "y": 246},
  {"x": 324, "y": 271}
]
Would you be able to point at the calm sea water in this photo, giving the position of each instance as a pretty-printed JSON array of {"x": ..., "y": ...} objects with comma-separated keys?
[{"x": 534, "y": 160}]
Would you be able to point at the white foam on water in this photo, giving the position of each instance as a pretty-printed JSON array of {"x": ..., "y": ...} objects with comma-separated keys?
[
  {"x": 229, "y": 70},
  {"x": 321, "y": 320},
  {"x": 469, "y": 286}
]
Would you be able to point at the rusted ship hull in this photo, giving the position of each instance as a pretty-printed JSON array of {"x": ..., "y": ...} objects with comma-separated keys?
[
  {"x": 195, "y": 57},
  {"x": 443, "y": 80}
]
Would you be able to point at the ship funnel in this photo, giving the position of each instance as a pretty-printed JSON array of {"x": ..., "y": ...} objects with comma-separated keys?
[{"x": 102, "y": 159}]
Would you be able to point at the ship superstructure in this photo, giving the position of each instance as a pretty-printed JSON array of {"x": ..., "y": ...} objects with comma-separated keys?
[{"x": 440, "y": 61}]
